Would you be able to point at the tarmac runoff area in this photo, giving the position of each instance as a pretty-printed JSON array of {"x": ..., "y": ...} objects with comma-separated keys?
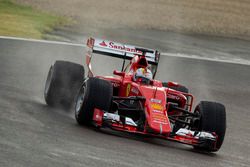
[{"x": 33, "y": 134}]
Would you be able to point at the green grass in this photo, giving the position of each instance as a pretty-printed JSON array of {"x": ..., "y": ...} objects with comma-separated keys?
[{"x": 24, "y": 21}]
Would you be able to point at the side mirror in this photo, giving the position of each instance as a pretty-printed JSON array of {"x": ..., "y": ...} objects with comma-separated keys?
[
  {"x": 119, "y": 73},
  {"x": 171, "y": 84}
]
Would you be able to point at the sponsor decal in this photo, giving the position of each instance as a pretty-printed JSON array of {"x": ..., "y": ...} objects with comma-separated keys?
[
  {"x": 114, "y": 46},
  {"x": 159, "y": 118},
  {"x": 160, "y": 122},
  {"x": 103, "y": 44},
  {"x": 155, "y": 101},
  {"x": 157, "y": 106},
  {"x": 173, "y": 97},
  {"x": 158, "y": 111},
  {"x": 122, "y": 47},
  {"x": 131, "y": 102},
  {"x": 128, "y": 89},
  {"x": 135, "y": 90},
  {"x": 115, "y": 84}
]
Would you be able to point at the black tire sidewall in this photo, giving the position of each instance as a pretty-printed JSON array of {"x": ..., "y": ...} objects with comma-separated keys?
[
  {"x": 66, "y": 78},
  {"x": 212, "y": 119},
  {"x": 97, "y": 94}
]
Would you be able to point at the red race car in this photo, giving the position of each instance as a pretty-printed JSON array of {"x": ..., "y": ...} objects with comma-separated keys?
[{"x": 132, "y": 100}]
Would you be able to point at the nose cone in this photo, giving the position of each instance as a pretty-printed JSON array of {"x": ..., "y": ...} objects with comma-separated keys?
[{"x": 155, "y": 108}]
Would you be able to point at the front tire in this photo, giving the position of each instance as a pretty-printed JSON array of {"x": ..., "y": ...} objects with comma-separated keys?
[
  {"x": 63, "y": 81},
  {"x": 94, "y": 93},
  {"x": 212, "y": 119}
]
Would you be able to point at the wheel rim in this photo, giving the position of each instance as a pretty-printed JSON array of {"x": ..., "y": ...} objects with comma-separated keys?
[
  {"x": 48, "y": 82},
  {"x": 197, "y": 121},
  {"x": 80, "y": 100}
]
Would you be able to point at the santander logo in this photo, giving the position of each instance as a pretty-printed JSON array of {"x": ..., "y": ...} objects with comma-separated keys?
[
  {"x": 119, "y": 47},
  {"x": 103, "y": 44}
]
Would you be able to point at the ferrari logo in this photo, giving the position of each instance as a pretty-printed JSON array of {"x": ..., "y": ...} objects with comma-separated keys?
[{"x": 128, "y": 89}]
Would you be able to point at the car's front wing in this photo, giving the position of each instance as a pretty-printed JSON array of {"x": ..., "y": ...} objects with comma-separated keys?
[{"x": 116, "y": 122}]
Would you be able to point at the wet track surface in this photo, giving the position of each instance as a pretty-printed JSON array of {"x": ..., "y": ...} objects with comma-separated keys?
[{"x": 32, "y": 134}]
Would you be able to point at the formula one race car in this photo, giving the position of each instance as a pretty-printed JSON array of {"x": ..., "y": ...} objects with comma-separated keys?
[{"x": 132, "y": 100}]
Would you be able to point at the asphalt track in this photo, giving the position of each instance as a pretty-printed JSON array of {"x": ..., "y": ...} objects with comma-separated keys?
[{"x": 32, "y": 134}]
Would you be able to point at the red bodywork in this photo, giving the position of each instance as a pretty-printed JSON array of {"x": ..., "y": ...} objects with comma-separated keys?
[{"x": 155, "y": 104}]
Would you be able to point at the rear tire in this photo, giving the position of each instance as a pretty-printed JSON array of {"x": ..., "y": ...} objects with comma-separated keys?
[
  {"x": 94, "y": 93},
  {"x": 213, "y": 119},
  {"x": 63, "y": 81}
]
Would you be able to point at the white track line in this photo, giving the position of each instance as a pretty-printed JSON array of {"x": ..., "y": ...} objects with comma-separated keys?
[
  {"x": 43, "y": 41},
  {"x": 181, "y": 55},
  {"x": 214, "y": 59}
]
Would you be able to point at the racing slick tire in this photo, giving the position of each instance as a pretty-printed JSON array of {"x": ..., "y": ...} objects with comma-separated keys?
[
  {"x": 94, "y": 93},
  {"x": 63, "y": 81},
  {"x": 212, "y": 119},
  {"x": 180, "y": 88}
]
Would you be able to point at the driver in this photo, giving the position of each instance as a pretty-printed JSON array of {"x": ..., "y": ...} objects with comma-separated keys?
[{"x": 143, "y": 75}]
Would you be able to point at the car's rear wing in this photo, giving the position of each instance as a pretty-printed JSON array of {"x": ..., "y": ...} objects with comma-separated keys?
[{"x": 123, "y": 51}]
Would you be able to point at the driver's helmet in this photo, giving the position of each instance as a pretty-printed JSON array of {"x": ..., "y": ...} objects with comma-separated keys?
[{"x": 143, "y": 75}]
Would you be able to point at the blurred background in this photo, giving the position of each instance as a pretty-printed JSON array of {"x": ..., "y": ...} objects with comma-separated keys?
[{"x": 38, "y": 18}]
